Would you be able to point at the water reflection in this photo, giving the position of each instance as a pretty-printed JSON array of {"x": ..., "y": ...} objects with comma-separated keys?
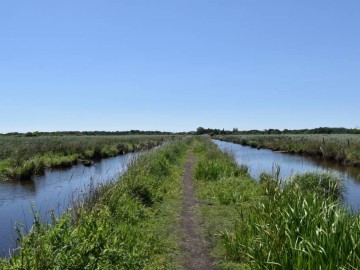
[
  {"x": 11, "y": 190},
  {"x": 52, "y": 191},
  {"x": 263, "y": 160},
  {"x": 351, "y": 171}
]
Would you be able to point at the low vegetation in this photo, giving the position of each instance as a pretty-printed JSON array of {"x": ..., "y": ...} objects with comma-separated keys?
[
  {"x": 22, "y": 157},
  {"x": 132, "y": 223},
  {"x": 269, "y": 224},
  {"x": 128, "y": 224},
  {"x": 343, "y": 148}
]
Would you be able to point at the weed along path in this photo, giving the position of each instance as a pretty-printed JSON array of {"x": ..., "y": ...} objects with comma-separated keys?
[{"x": 194, "y": 247}]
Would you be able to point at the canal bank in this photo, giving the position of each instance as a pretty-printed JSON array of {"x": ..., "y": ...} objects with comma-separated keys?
[{"x": 264, "y": 160}]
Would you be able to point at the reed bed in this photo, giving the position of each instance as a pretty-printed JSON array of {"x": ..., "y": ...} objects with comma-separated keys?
[{"x": 23, "y": 157}]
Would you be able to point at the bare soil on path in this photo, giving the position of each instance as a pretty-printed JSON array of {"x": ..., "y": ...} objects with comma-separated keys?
[{"x": 193, "y": 246}]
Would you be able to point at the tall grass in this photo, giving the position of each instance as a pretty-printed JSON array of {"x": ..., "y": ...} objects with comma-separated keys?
[
  {"x": 123, "y": 225},
  {"x": 22, "y": 157},
  {"x": 299, "y": 224}
]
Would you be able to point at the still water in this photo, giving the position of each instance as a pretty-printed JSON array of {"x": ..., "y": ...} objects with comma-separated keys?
[
  {"x": 53, "y": 191},
  {"x": 263, "y": 160}
]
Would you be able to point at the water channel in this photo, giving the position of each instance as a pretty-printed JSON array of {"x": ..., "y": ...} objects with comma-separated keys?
[
  {"x": 263, "y": 160},
  {"x": 53, "y": 191}
]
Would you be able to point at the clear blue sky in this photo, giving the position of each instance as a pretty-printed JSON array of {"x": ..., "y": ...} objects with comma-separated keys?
[{"x": 178, "y": 64}]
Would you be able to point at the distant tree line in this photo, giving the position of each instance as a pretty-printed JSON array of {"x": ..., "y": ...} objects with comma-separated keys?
[
  {"x": 199, "y": 131},
  {"x": 213, "y": 131},
  {"x": 91, "y": 133},
  {"x": 320, "y": 130}
]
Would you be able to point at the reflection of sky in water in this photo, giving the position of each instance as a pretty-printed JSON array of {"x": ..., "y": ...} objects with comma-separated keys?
[
  {"x": 52, "y": 191},
  {"x": 263, "y": 160}
]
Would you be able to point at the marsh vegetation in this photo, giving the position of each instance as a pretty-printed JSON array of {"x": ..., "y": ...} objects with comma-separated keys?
[
  {"x": 125, "y": 224},
  {"x": 23, "y": 157},
  {"x": 132, "y": 223}
]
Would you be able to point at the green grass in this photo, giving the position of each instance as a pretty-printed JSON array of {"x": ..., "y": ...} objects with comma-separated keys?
[
  {"x": 220, "y": 195},
  {"x": 270, "y": 225},
  {"x": 129, "y": 224},
  {"x": 341, "y": 147},
  {"x": 325, "y": 184},
  {"x": 23, "y": 157}
]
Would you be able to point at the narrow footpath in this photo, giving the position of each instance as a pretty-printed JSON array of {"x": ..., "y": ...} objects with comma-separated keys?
[{"x": 193, "y": 246}]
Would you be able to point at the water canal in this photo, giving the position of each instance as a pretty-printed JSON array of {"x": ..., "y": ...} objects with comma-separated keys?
[
  {"x": 53, "y": 191},
  {"x": 263, "y": 160}
]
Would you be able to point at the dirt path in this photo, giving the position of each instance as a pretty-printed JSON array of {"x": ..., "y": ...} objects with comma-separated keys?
[{"x": 193, "y": 245}]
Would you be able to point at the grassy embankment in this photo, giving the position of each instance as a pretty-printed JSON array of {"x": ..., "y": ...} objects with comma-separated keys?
[
  {"x": 265, "y": 225},
  {"x": 340, "y": 147},
  {"x": 129, "y": 224},
  {"x": 23, "y": 157}
]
